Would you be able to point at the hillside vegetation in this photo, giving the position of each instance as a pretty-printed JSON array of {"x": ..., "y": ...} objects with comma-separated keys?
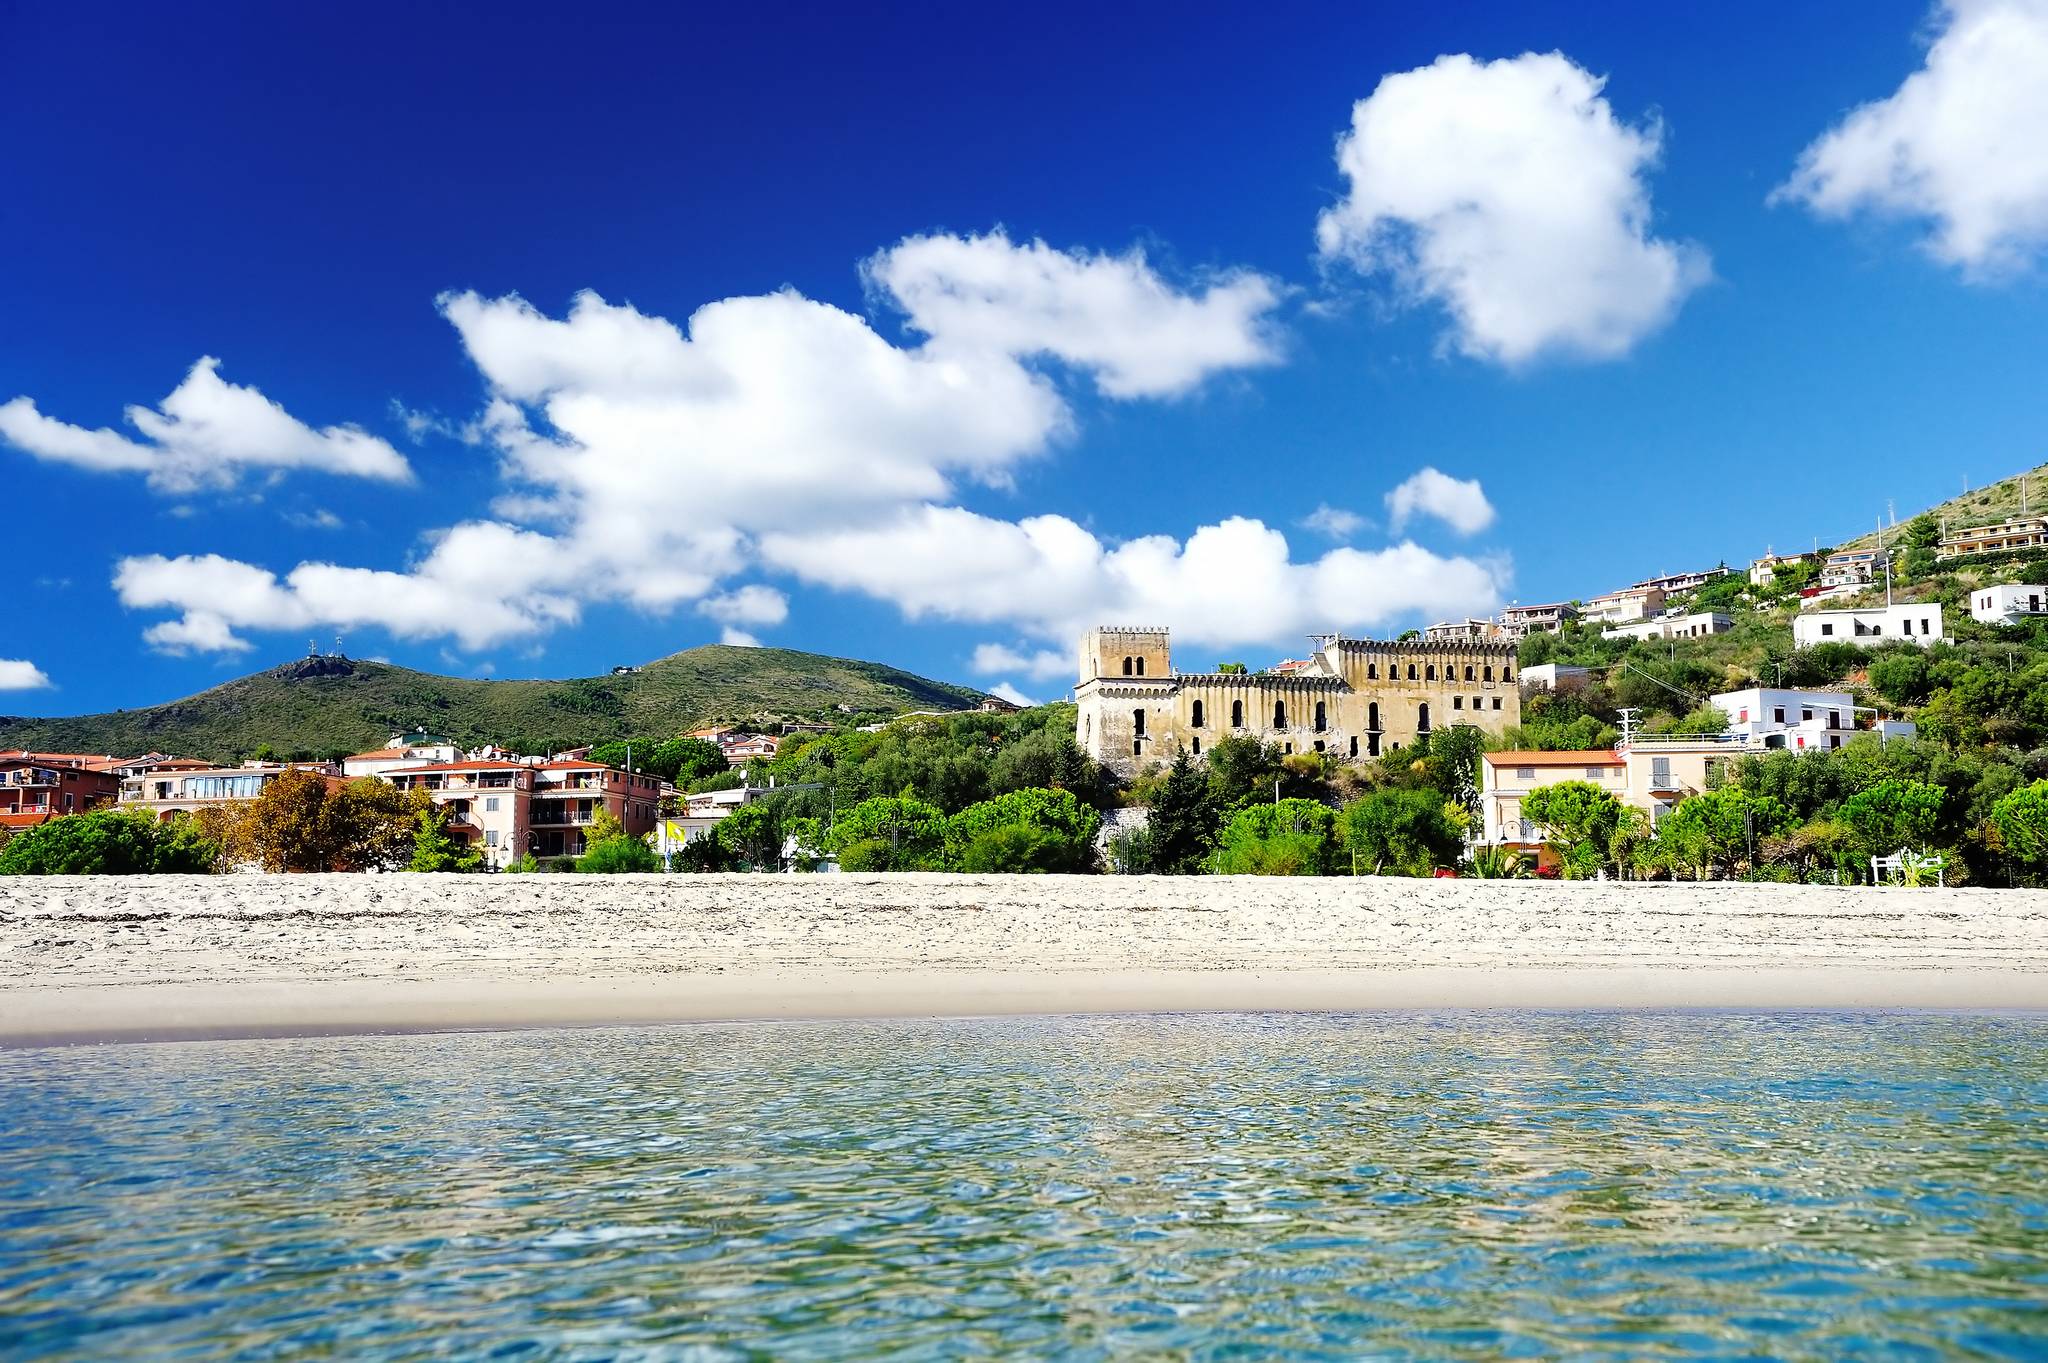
[
  {"x": 1980, "y": 506},
  {"x": 321, "y": 705}
]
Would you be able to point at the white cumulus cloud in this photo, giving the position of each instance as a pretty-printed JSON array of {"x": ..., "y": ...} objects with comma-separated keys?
[
  {"x": 1333, "y": 521},
  {"x": 1961, "y": 144},
  {"x": 1041, "y": 664},
  {"x": 207, "y": 433},
  {"x": 737, "y": 638},
  {"x": 1112, "y": 315},
  {"x": 19, "y": 674},
  {"x": 653, "y": 463},
  {"x": 1011, "y": 694},
  {"x": 1510, "y": 194},
  {"x": 1459, "y": 503}
]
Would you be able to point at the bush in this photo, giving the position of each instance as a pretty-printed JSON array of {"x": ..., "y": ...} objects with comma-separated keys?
[
  {"x": 1064, "y": 830},
  {"x": 617, "y": 856},
  {"x": 1017, "y": 848},
  {"x": 1290, "y": 838},
  {"x": 105, "y": 842},
  {"x": 1400, "y": 832}
]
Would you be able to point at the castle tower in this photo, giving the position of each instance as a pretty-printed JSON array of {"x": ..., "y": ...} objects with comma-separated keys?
[{"x": 1125, "y": 651}]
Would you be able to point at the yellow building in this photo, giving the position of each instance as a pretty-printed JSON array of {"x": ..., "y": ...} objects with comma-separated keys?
[{"x": 1353, "y": 698}]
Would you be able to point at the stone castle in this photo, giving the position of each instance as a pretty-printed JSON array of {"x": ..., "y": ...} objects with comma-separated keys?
[{"x": 1354, "y": 698}]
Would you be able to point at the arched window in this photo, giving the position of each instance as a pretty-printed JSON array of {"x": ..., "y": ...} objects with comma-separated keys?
[
  {"x": 1507, "y": 674},
  {"x": 1141, "y": 667},
  {"x": 1138, "y": 722},
  {"x": 1322, "y": 720},
  {"x": 1237, "y": 714},
  {"x": 1372, "y": 716},
  {"x": 1127, "y": 667},
  {"x": 1489, "y": 673},
  {"x": 1411, "y": 672},
  {"x": 1372, "y": 671},
  {"x": 1429, "y": 673},
  {"x": 1279, "y": 714},
  {"x": 1422, "y": 718},
  {"x": 1468, "y": 672},
  {"x": 1195, "y": 720}
]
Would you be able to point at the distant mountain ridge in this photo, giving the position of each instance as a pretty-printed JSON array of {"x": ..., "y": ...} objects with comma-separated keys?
[{"x": 327, "y": 702}]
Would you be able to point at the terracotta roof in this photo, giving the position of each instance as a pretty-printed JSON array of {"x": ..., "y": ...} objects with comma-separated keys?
[
  {"x": 377, "y": 755},
  {"x": 1595, "y": 757},
  {"x": 481, "y": 764},
  {"x": 28, "y": 820}
]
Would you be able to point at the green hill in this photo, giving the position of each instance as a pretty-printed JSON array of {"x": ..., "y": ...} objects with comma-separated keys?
[
  {"x": 1980, "y": 506},
  {"x": 320, "y": 704}
]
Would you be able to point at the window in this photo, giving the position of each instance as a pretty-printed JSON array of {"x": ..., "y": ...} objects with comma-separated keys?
[
  {"x": 1237, "y": 714},
  {"x": 490, "y": 804},
  {"x": 1827, "y": 627},
  {"x": 1778, "y": 714},
  {"x": 1372, "y": 671},
  {"x": 1127, "y": 667},
  {"x": 1805, "y": 713},
  {"x": 1141, "y": 667},
  {"x": 1496, "y": 702},
  {"x": 1429, "y": 672},
  {"x": 1280, "y": 714},
  {"x": 1507, "y": 674},
  {"x": 1660, "y": 773},
  {"x": 1354, "y": 745},
  {"x": 1468, "y": 672},
  {"x": 1411, "y": 672},
  {"x": 1290, "y": 750},
  {"x": 1596, "y": 773},
  {"x": 1322, "y": 722},
  {"x": 1422, "y": 718},
  {"x": 1137, "y": 748},
  {"x": 1372, "y": 716},
  {"x": 1372, "y": 744},
  {"x": 1198, "y": 747},
  {"x": 1319, "y": 745},
  {"x": 1195, "y": 719},
  {"x": 1477, "y": 703},
  {"x": 1457, "y": 702},
  {"x": 1525, "y": 773},
  {"x": 490, "y": 837},
  {"x": 1138, "y": 723},
  {"x": 1489, "y": 672}
]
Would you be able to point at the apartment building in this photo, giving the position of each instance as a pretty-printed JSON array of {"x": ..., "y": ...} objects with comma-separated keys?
[
  {"x": 1851, "y": 567},
  {"x": 1917, "y": 622},
  {"x": 1671, "y": 584},
  {"x": 507, "y": 808},
  {"x": 35, "y": 787},
  {"x": 2012, "y": 535},
  {"x": 488, "y": 801},
  {"x": 1549, "y": 618},
  {"x": 1763, "y": 570},
  {"x": 2008, "y": 603},
  {"x": 179, "y": 788},
  {"x": 1624, "y": 607},
  {"x": 1466, "y": 630},
  {"x": 1696, "y": 626}
]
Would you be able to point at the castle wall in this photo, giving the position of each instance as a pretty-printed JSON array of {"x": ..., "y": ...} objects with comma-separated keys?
[{"x": 1360, "y": 699}]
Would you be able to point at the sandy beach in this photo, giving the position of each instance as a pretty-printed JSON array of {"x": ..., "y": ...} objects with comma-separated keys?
[{"x": 169, "y": 957}]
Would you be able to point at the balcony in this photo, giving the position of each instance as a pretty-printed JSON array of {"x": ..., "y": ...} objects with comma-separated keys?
[{"x": 562, "y": 818}]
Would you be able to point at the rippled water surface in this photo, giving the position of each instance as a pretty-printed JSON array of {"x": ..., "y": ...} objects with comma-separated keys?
[{"x": 1461, "y": 1185}]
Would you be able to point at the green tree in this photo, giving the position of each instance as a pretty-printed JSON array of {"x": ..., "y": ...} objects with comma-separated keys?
[
  {"x": 1291, "y": 838},
  {"x": 108, "y": 842},
  {"x": 1014, "y": 849},
  {"x": 1579, "y": 819},
  {"x": 1893, "y": 815},
  {"x": 1409, "y": 832},
  {"x": 1902, "y": 675},
  {"x": 890, "y": 833},
  {"x": 435, "y": 849},
  {"x": 2020, "y": 818},
  {"x": 753, "y": 836},
  {"x": 1068, "y": 827},
  {"x": 1184, "y": 822},
  {"x": 1716, "y": 829}
]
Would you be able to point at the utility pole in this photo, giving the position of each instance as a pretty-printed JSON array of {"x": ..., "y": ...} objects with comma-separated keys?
[{"x": 1629, "y": 714}]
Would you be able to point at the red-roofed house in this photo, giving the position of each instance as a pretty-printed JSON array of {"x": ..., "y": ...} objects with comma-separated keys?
[
  {"x": 1505, "y": 777},
  {"x": 39, "y": 786}
]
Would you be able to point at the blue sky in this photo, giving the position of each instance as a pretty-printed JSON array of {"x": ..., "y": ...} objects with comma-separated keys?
[{"x": 1022, "y": 320}]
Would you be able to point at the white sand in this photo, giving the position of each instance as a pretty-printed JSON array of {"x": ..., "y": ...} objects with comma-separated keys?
[{"x": 136, "y": 957}]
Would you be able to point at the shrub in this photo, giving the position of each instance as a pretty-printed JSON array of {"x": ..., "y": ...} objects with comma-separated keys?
[
  {"x": 108, "y": 842},
  {"x": 1400, "y": 832},
  {"x": 618, "y": 855},
  {"x": 1290, "y": 838}
]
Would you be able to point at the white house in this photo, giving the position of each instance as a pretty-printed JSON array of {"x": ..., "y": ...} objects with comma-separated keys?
[
  {"x": 1554, "y": 677},
  {"x": 1919, "y": 622},
  {"x": 1619, "y": 608},
  {"x": 2008, "y": 603},
  {"x": 1698, "y": 625},
  {"x": 1802, "y": 721}
]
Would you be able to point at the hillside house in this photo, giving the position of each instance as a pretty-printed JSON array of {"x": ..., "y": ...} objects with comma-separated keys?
[
  {"x": 2008, "y": 603},
  {"x": 1917, "y": 622}
]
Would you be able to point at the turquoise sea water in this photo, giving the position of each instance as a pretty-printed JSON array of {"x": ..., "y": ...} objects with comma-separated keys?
[{"x": 1458, "y": 1185}]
